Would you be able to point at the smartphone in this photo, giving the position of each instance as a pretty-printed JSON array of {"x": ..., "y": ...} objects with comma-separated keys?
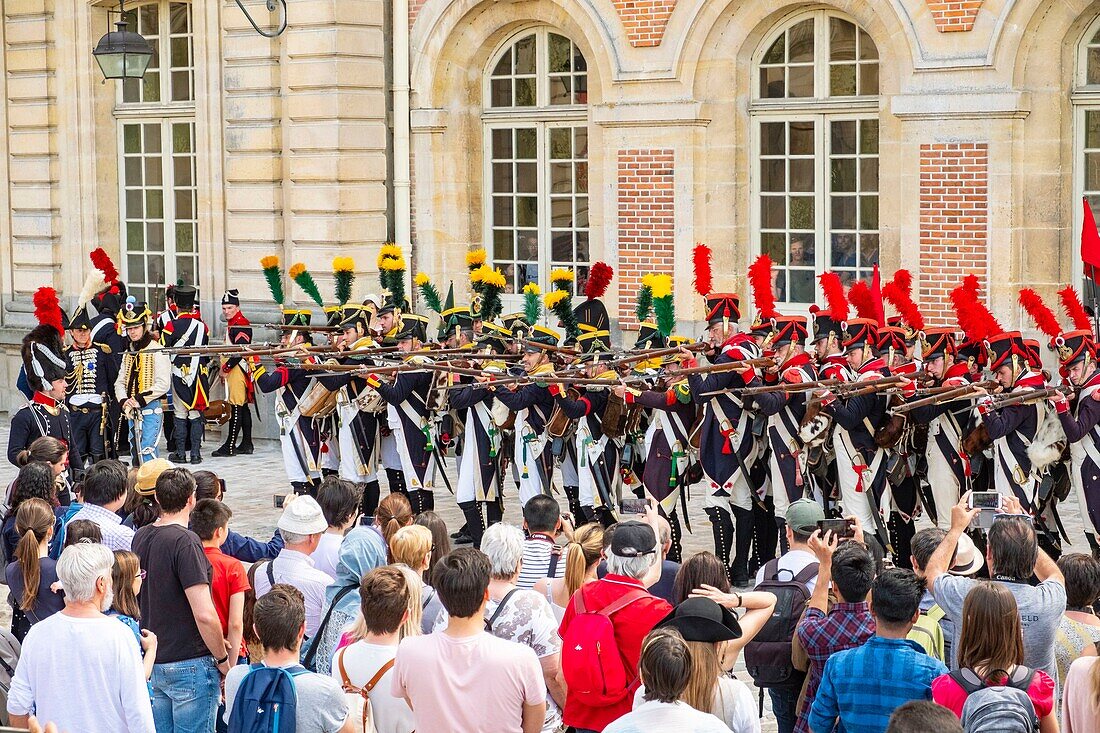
[
  {"x": 632, "y": 505},
  {"x": 279, "y": 500},
  {"x": 985, "y": 500},
  {"x": 841, "y": 528}
]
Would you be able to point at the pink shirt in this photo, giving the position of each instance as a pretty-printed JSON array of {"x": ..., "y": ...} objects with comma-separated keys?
[
  {"x": 473, "y": 684},
  {"x": 947, "y": 692},
  {"x": 1079, "y": 710}
]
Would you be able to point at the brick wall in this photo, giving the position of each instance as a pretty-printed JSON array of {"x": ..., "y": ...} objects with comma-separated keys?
[
  {"x": 953, "y": 16},
  {"x": 646, "y": 222},
  {"x": 414, "y": 9},
  {"x": 954, "y": 220},
  {"x": 644, "y": 20}
]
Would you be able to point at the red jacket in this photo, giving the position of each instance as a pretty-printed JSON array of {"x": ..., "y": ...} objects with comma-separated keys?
[{"x": 631, "y": 626}]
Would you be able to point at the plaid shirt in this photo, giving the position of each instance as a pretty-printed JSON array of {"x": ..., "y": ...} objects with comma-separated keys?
[
  {"x": 848, "y": 625},
  {"x": 862, "y": 687},
  {"x": 116, "y": 536}
]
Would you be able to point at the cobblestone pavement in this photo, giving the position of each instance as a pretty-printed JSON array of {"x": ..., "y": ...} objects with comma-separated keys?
[{"x": 252, "y": 481}]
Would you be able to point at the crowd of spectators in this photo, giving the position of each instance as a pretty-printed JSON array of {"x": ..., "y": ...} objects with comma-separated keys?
[{"x": 171, "y": 621}]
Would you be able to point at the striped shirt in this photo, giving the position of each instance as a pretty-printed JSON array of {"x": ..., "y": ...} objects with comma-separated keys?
[
  {"x": 862, "y": 687},
  {"x": 538, "y": 549},
  {"x": 116, "y": 536}
]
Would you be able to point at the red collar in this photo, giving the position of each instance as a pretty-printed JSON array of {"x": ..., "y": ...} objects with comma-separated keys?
[
  {"x": 909, "y": 367},
  {"x": 194, "y": 315},
  {"x": 1031, "y": 380},
  {"x": 798, "y": 360},
  {"x": 737, "y": 339},
  {"x": 958, "y": 369},
  {"x": 238, "y": 320},
  {"x": 1093, "y": 380},
  {"x": 835, "y": 360},
  {"x": 874, "y": 365},
  {"x": 44, "y": 399}
]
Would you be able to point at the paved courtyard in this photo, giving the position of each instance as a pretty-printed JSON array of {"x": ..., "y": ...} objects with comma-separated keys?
[{"x": 252, "y": 481}]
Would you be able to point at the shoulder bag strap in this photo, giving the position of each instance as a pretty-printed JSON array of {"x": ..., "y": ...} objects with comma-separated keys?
[
  {"x": 771, "y": 569},
  {"x": 379, "y": 675},
  {"x": 312, "y": 653},
  {"x": 806, "y": 574},
  {"x": 623, "y": 601},
  {"x": 555, "y": 556},
  {"x": 500, "y": 607},
  {"x": 271, "y": 571}
]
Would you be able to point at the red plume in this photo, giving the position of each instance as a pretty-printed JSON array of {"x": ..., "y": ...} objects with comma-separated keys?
[
  {"x": 1071, "y": 304},
  {"x": 102, "y": 262},
  {"x": 760, "y": 280},
  {"x": 974, "y": 318},
  {"x": 47, "y": 309},
  {"x": 599, "y": 277},
  {"x": 863, "y": 299},
  {"x": 899, "y": 292},
  {"x": 834, "y": 296},
  {"x": 1042, "y": 315},
  {"x": 701, "y": 259}
]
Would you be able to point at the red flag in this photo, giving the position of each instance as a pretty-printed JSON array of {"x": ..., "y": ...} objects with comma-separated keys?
[
  {"x": 1090, "y": 242},
  {"x": 876, "y": 290}
]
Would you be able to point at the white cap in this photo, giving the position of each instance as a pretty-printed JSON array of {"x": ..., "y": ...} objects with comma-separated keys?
[
  {"x": 967, "y": 558},
  {"x": 303, "y": 516}
]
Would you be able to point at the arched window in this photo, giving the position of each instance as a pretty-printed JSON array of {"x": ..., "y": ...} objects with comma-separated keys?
[
  {"x": 158, "y": 196},
  {"x": 1086, "y": 103},
  {"x": 536, "y": 143},
  {"x": 815, "y": 136}
]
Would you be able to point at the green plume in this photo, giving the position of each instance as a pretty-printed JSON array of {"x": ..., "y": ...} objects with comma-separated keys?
[
  {"x": 274, "y": 277},
  {"x": 564, "y": 311},
  {"x": 430, "y": 293},
  {"x": 665, "y": 312},
  {"x": 644, "y": 303},
  {"x": 306, "y": 283},
  {"x": 532, "y": 306}
]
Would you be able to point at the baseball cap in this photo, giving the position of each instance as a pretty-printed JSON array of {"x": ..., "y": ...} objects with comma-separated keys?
[
  {"x": 633, "y": 539},
  {"x": 303, "y": 516},
  {"x": 803, "y": 515},
  {"x": 148, "y": 473}
]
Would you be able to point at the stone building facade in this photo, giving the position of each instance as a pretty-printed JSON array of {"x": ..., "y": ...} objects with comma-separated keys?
[{"x": 945, "y": 136}]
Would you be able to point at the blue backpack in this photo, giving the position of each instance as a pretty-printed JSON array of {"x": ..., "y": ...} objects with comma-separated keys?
[{"x": 266, "y": 701}]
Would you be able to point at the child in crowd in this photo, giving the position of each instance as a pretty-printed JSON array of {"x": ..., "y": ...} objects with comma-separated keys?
[
  {"x": 210, "y": 521},
  {"x": 126, "y": 580}
]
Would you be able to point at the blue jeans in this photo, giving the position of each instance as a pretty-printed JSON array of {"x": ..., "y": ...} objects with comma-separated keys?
[
  {"x": 784, "y": 706},
  {"x": 185, "y": 696},
  {"x": 152, "y": 419}
]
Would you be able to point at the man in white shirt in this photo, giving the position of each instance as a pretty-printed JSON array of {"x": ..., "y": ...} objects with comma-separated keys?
[
  {"x": 82, "y": 644},
  {"x": 665, "y": 669},
  {"x": 801, "y": 521},
  {"x": 301, "y": 524}
]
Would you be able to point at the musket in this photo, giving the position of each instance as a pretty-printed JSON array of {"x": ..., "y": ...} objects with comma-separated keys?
[
  {"x": 223, "y": 348},
  {"x": 787, "y": 387},
  {"x": 940, "y": 395},
  {"x": 548, "y": 347},
  {"x": 870, "y": 386},
  {"x": 1031, "y": 395},
  {"x": 730, "y": 366},
  {"x": 654, "y": 353},
  {"x": 283, "y": 327},
  {"x": 230, "y": 351}
]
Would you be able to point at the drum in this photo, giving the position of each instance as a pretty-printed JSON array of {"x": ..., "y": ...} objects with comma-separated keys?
[
  {"x": 217, "y": 413},
  {"x": 319, "y": 401}
]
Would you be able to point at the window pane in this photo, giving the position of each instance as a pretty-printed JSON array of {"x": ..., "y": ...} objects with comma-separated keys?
[
  {"x": 775, "y": 54},
  {"x": 1092, "y": 74},
  {"x": 180, "y": 46},
  {"x": 560, "y": 52},
  {"x": 154, "y": 237},
  {"x": 503, "y": 212},
  {"x": 868, "y": 250},
  {"x": 580, "y": 215},
  {"x": 502, "y": 177},
  {"x": 844, "y": 250},
  {"x": 581, "y": 183},
  {"x": 133, "y": 203},
  {"x": 844, "y": 137},
  {"x": 801, "y": 41},
  {"x": 802, "y": 138},
  {"x": 800, "y": 81},
  {"x": 802, "y": 286},
  {"x": 152, "y": 138},
  {"x": 773, "y": 137},
  {"x": 149, "y": 19},
  {"x": 802, "y": 250},
  {"x": 527, "y": 211},
  {"x": 525, "y": 55},
  {"x": 502, "y": 143},
  {"x": 135, "y": 240},
  {"x": 561, "y": 247},
  {"x": 504, "y": 66},
  {"x": 773, "y": 175},
  {"x": 184, "y": 208},
  {"x": 842, "y": 80},
  {"x": 181, "y": 86},
  {"x": 774, "y": 245},
  {"x": 133, "y": 171},
  {"x": 500, "y": 93},
  {"x": 868, "y": 137},
  {"x": 802, "y": 175},
  {"x": 525, "y": 144},
  {"x": 525, "y": 92},
  {"x": 867, "y": 49},
  {"x": 561, "y": 90},
  {"x": 561, "y": 139},
  {"x": 150, "y": 85},
  {"x": 527, "y": 245},
  {"x": 561, "y": 178},
  {"x": 179, "y": 18},
  {"x": 527, "y": 177},
  {"x": 802, "y": 212},
  {"x": 182, "y": 171},
  {"x": 503, "y": 245},
  {"x": 185, "y": 269},
  {"x": 772, "y": 84},
  {"x": 583, "y": 254},
  {"x": 1092, "y": 129},
  {"x": 1092, "y": 171},
  {"x": 844, "y": 174},
  {"x": 868, "y": 174},
  {"x": 844, "y": 212},
  {"x": 773, "y": 213},
  {"x": 152, "y": 172},
  {"x": 842, "y": 40},
  {"x": 561, "y": 213},
  {"x": 868, "y": 79},
  {"x": 154, "y": 204},
  {"x": 131, "y": 137},
  {"x": 868, "y": 212}
]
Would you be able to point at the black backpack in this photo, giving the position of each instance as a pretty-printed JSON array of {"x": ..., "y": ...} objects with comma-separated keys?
[{"x": 768, "y": 656}]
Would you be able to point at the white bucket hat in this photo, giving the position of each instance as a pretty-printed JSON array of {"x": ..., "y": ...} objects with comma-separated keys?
[{"x": 303, "y": 515}]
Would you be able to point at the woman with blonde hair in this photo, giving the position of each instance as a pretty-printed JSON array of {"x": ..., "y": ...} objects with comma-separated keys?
[
  {"x": 32, "y": 572},
  {"x": 582, "y": 556},
  {"x": 990, "y": 650},
  {"x": 412, "y": 546}
]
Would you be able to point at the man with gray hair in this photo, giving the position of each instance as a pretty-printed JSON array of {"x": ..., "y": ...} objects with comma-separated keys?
[
  {"x": 632, "y": 565},
  {"x": 302, "y": 524},
  {"x": 520, "y": 614},
  {"x": 81, "y": 644}
]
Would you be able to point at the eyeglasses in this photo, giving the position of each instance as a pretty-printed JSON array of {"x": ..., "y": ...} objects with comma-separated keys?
[{"x": 140, "y": 575}]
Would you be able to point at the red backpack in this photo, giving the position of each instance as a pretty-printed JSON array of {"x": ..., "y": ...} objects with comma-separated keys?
[{"x": 591, "y": 662}]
